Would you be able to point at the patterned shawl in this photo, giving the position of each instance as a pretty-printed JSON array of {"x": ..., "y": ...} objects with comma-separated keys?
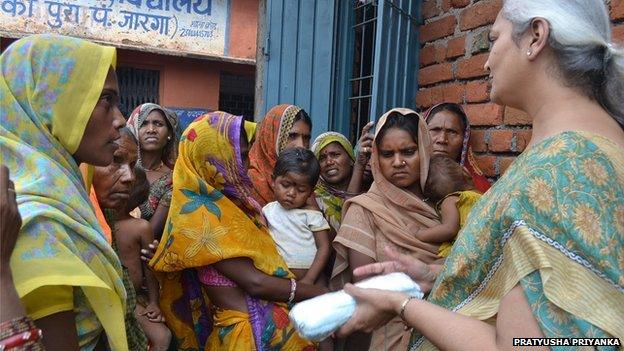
[
  {"x": 49, "y": 86},
  {"x": 271, "y": 139},
  {"x": 139, "y": 115},
  {"x": 554, "y": 224},
  {"x": 330, "y": 199},
  {"x": 467, "y": 158},
  {"x": 213, "y": 216}
]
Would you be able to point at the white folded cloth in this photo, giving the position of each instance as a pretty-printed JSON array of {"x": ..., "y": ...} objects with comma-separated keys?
[{"x": 317, "y": 318}]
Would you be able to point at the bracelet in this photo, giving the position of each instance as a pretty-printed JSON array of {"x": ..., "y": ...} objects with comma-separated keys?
[
  {"x": 20, "y": 339},
  {"x": 403, "y": 305},
  {"x": 293, "y": 289}
]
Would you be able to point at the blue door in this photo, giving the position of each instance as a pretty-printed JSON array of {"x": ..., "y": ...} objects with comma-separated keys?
[{"x": 298, "y": 57}]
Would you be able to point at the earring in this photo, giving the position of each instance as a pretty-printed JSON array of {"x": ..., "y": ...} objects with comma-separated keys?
[
  {"x": 529, "y": 52},
  {"x": 169, "y": 138}
]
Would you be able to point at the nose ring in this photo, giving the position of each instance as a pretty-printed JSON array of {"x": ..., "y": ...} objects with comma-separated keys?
[{"x": 403, "y": 163}]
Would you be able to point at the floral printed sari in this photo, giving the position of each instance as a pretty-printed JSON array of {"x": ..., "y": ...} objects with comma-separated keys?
[
  {"x": 213, "y": 216},
  {"x": 553, "y": 223}
]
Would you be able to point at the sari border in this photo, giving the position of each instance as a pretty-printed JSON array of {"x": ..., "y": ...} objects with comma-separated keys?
[{"x": 536, "y": 234}]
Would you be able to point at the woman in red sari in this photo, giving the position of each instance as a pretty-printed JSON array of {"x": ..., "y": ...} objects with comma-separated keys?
[{"x": 450, "y": 135}]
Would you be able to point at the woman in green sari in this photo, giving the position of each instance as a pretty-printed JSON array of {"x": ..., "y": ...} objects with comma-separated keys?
[{"x": 542, "y": 254}]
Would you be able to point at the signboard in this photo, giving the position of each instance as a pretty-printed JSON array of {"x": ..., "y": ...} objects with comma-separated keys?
[{"x": 197, "y": 27}]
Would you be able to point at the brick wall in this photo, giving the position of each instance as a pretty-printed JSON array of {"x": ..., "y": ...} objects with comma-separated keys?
[{"x": 453, "y": 51}]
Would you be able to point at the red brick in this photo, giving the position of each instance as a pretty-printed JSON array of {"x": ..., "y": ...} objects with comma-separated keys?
[
  {"x": 504, "y": 163},
  {"x": 456, "y": 47},
  {"x": 515, "y": 117},
  {"x": 472, "y": 67},
  {"x": 618, "y": 34},
  {"x": 487, "y": 164},
  {"x": 488, "y": 114},
  {"x": 453, "y": 92},
  {"x": 427, "y": 55},
  {"x": 617, "y": 9},
  {"x": 430, "y": 9},
  {"x": 522, "y": 139},
  {"x": 440, "y": 53},
  {"x": 438, "y": 29},
  {"x": 477, "y": 91},
  {"x": 437, "y": 94},
  {"x": 459, "y": 3},
  {"x": 482, "y": 13},
  {"x": 500, "y": 140},
  {"x": 423, "y": 98},
  {"x": 434, "y": 74},
  {"x": 477, "y": 140}
]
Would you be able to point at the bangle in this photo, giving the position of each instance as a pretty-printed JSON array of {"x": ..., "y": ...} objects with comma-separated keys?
[
  {"x": 402, "y": 310},
  {"x": 293, "y": 289},
  {"x": 20, "y": 339}
]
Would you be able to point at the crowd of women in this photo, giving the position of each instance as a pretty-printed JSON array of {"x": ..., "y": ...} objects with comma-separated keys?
[{"x": 243, "y": 216}]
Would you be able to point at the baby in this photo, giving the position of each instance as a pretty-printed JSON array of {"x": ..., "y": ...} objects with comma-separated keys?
[
  {"x": 451, "y": 188},
  {"x": 301, "y": 233}
]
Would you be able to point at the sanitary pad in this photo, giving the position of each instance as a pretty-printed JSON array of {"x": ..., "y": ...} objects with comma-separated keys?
[{"x": 316, "y": 319}]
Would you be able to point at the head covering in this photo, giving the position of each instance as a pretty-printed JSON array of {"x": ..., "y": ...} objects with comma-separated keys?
[
  {"x": 250, "y": 129},
  {"x": 137, "y": 118},
  {"x": 49, "y": 86},
  {"x": 271, "y": 139},
  {"x": 332, "y": 137},
  {"x": 386, "y": 216},
  {"x": 213, "y": 216},
  {"x": 328, "y": 198},
  {"x": 466, "y": 159}
]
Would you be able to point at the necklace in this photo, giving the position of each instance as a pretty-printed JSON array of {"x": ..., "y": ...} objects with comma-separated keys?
[{"x": 157, "y": 168}]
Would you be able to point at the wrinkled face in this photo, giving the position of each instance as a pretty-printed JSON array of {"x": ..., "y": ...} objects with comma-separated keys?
[
  {"x": 292, "y": 190},
  {"x": 336, "y": 165},
  {"x": 154, "y": 131},
  {"x": 102, "y": 131},
  {"x": 399, "y": 161},
  {"x": 113, "y": 183},
  {"x": 505, "y": 62},
  {"x": 299, "y": 135},
  {"x": 447, "y": 134}
]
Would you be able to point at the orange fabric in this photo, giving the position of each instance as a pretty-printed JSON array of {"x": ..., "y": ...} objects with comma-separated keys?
[
  {"x": 108, "y": 233},
  {"x": 271, "y": 139}
]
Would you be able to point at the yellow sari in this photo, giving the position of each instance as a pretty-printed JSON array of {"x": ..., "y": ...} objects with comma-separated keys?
[
  {"x": 213, "y": 217},
  {"x": 49, "y": 86}
]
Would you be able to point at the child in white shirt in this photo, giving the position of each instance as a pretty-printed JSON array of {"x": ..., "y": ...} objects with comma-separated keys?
[{"x": 301, "y": 233}]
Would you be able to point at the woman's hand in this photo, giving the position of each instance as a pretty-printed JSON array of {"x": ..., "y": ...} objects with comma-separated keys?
[
  {"x": 10, "y": 219},
  {"x": 375, "y": 308},
  {"x": 365, "y": 145},
  {"x": 148, "y": 254},
  {"x": 153, "y": 313},
  {"x": 421, "y": 273}
]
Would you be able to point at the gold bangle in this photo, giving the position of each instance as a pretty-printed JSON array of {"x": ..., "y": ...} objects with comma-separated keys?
[{"x": 403, "y": 306}]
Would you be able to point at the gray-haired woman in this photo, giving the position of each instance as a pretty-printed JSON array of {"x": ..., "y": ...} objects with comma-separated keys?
[{"x": 543, "y": 253}]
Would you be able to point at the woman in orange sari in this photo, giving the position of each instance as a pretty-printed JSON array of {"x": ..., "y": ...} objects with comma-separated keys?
[{"x": 283, "y": 126}]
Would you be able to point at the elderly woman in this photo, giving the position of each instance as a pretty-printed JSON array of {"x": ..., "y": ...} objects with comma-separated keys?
[
  {"x": 283, "y": 126},
  {"x": 450, "y": 136},
  {"x": 59, "y": 109},
  {"x": 391, "y": 211},
  {"x": 542, "y": 255},
  {"x": 218, "y": 247},
  {"x": 156, "y": 129}
]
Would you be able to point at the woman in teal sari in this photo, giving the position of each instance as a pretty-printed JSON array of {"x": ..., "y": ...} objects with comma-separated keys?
[{"x": 542, "y": 254}]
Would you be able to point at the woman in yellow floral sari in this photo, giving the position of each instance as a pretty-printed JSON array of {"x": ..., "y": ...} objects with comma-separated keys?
[
  {"x": 542, "y": 253},
  {"x": 216, "y": 253}
]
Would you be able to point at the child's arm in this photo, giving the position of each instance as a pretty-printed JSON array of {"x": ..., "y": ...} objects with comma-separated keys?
[
  {"x": 449, "y": 227},
  {"x": 323, "y": 249},
  {"x": 152, "y": 309}
]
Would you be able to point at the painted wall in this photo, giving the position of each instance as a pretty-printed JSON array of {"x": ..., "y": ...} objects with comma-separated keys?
[
  {"x": 184, "y": 82},
  {"x": 243, "y": 29}
]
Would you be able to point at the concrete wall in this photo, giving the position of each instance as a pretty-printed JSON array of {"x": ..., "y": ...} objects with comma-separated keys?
[{"x": 453, "y": 51}]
